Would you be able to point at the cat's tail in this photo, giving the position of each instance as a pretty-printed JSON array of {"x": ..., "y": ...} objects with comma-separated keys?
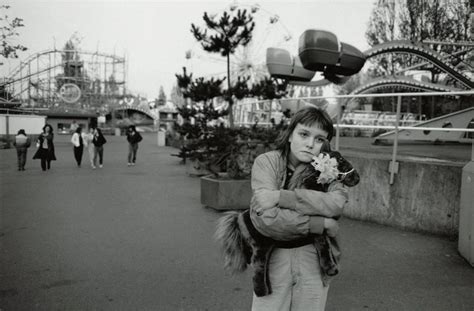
[{"x": 234, "y": 245}]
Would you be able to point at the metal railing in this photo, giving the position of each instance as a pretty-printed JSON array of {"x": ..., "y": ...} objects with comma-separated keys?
[{"x": 395, "y": 127}]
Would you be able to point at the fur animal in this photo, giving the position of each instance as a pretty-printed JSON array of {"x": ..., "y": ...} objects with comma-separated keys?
[{"x": 243, "y": 245}]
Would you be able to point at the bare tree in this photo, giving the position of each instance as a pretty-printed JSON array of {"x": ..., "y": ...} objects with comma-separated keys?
[{"x": 9, "y": 32}]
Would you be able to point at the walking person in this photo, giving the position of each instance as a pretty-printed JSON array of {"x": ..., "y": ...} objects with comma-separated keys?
[
  {"x": 45, "y": 145},
  {"x": 133, "y": 138},
  {"x": 21, "y": 143},
  {"x": 77, "y": 141},
  {"x": 98, "y": 140},
  {"x": 294, "y": 264},
  {"x": 88, "y": 137}
]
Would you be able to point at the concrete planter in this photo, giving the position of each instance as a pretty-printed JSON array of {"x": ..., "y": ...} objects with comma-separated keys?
[{"x": 223, "y": 193}]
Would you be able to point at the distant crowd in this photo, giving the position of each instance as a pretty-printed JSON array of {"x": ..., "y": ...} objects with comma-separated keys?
[{"x": 93, "y": 141}]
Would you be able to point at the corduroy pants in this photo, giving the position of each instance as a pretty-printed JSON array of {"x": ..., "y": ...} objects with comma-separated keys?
[{"x": 296, "y": 282}]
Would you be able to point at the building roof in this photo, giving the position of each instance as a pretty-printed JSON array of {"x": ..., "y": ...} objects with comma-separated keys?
[
  {"x": 168, "y": 107},
  {"x": 68, "y": 114}
]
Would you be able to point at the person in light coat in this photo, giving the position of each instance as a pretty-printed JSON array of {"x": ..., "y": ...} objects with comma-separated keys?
[
  {"x": 21, "y": 143},
  {"x": 88, "y": 137},
  {"x": 77, "y": 141}
]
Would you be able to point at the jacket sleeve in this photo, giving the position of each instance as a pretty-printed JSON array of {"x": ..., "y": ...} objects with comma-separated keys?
[
  {"x": 312, "y": 202},
  {"x": 74, "y": 139},
  {"x": 278, "y": 223}
]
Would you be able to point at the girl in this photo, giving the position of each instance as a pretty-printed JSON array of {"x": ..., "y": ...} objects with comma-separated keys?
[
  {"x": 45, "y": 146},
  {"x": 98, "y": 141},
  {"x": 21, "y": 143},
  {"x": 133, "y": 138},
  {"x": 90, "y": 146},
  {"x": 77, "y": 141},
  {"x": 294, "y": 269}
]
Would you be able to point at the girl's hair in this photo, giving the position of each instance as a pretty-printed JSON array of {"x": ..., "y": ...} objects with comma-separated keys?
[
  {"x": 50, "y": 128},
  {"x": 99, "y": 131},
  {"x": 132, "y": 127},
  {"x": 308, "y": 116},
  {"x": 21, "y": 131},
  {"x": 79, "y": 130}
]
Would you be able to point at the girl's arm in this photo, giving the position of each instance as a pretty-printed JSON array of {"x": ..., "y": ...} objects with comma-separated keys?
[
  {"x": 271, "y": 220},
  {"x": 312, "y": 202}
]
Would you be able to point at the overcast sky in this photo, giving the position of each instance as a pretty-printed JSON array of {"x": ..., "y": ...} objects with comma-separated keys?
[{"x": 154, "y": 35}]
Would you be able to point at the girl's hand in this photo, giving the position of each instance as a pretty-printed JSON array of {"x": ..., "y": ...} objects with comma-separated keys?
[
  {"x": 267, "y": 198},
  {"x": 331, "y": 226}
]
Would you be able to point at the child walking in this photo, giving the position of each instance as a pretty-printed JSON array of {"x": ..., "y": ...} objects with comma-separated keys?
[
  {"x": 21, "y": 143},
  {"x": 98, "y": 141}
]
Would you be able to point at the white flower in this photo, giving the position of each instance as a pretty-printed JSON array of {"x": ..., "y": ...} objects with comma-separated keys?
[{"x": 327, "y": 166}]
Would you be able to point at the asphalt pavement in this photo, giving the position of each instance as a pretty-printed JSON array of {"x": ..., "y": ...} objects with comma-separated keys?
[{"x": 137, "y": 238}]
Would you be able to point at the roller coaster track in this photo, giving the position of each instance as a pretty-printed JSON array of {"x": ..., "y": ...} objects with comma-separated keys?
[
  {"x": 396, "y": 82},
  {"x": 404, "y": 46},
  {"x": 401, "y": 82},
  {"x": 32, "y": 57}
]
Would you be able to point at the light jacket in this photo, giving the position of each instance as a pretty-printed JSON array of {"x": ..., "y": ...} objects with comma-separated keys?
[
  {"x": 21, "y": 141},
  {"x": 290, "y": 219},
  {"x": 75, "y": 140},
  {"x": 87, "y": 139}
]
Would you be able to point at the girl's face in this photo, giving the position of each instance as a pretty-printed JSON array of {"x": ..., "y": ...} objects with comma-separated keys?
[
  {"x": 47, "y": 129},
  {"x": 305, "y": 143}
]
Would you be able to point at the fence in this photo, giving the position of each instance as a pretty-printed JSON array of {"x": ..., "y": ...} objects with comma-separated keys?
[{"x": 268, "y": 110}]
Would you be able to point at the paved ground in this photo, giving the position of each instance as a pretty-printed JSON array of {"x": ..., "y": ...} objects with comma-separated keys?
[{"x": 137, "y": 238}]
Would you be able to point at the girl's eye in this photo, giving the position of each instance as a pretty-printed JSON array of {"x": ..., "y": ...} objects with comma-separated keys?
[
  {"x": 303, "y": 134},
  {"x": 320, "y": 140}
]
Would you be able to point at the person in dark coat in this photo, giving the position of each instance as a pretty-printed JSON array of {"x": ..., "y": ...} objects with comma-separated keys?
[
  {"x": 98, "y": 140},
  {"x": 21, "y": 143},
  {"x": 133, "y": 138},
  {"x": 45, "y": 146}
]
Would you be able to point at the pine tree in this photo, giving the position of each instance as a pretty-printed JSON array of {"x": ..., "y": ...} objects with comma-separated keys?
[
  {"x": 161, "y": 96},
  {"x": 227, "y": 33},
  {"x": 268, "y": 89},
  {"x": 200, "y": 91}
]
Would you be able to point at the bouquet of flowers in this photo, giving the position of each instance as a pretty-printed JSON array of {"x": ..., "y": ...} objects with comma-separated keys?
[{"x": 326, "y": 166}]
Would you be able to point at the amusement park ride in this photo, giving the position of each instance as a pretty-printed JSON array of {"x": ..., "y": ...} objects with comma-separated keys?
[
  {"x": 56, "y": 79},
  {"x": 74, "y": 81},
  {"x": 321, "y": 51}
]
